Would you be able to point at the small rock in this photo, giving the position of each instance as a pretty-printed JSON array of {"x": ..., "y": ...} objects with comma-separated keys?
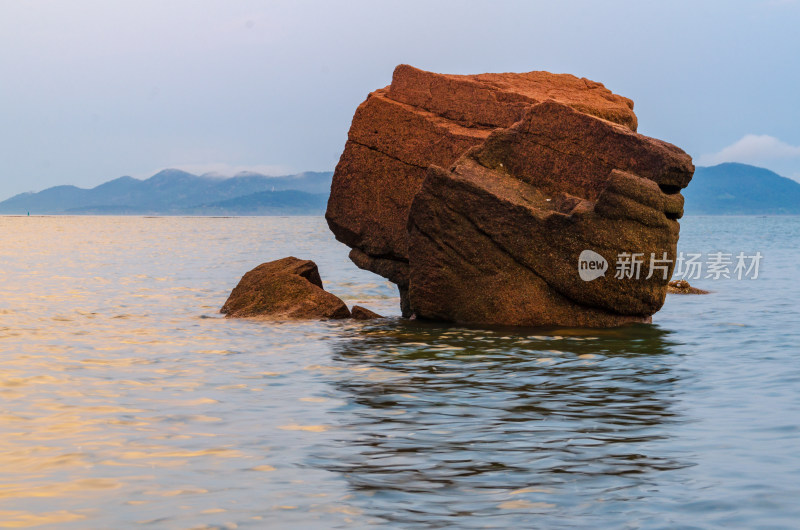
[
  {"x": 288, "y": 288},
  {"x": 683, "y": 287},
  {"x": 362, "y": 313}
]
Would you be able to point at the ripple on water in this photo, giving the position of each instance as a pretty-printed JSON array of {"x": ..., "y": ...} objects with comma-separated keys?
[{"x": 127, "y": 399}]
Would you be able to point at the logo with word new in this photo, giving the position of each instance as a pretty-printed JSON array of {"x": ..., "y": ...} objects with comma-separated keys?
[
  {"x": 631, "y": 265},
  {"x": 591, "y": 265}
]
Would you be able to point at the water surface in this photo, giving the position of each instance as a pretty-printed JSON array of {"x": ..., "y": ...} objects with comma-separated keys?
[{"x": 128, "y": 401}]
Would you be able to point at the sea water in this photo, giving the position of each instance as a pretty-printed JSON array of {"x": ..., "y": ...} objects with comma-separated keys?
[{"x": 127, "y": 400}]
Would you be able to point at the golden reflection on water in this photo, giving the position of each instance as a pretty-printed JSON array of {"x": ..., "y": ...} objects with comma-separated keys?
[
  {"x": 124, "y": 403},
  {"x": 126, "y": 400}
]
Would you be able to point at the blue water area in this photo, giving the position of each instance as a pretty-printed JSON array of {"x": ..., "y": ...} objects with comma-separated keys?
[{"x": 127, "y": 400}]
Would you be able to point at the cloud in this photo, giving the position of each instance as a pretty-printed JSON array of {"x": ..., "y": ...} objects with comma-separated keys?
[
  {"x": 758, "y": 150},
  {"x": 750, "y": 149}
]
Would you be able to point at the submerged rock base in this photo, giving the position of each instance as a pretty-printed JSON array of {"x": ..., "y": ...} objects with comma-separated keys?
[{"x": 683, "y": 287}]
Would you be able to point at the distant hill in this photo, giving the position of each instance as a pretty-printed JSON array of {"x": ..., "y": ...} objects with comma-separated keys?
[
  {"x": 288, "y": 202},
  {"x": 177, "y": 192},
  {"x": 730, "y": 188},
  {"x": 739, "y": 189}
]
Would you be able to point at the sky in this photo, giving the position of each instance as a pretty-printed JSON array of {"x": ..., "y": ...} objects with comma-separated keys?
[{"x": 91, "y": 90}]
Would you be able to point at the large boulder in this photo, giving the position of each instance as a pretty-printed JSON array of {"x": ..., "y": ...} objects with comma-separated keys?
[
  {"x": 476, "y": 195},
  {"x": 425, "y": 119},
  {"x": 285, "y": 289}
]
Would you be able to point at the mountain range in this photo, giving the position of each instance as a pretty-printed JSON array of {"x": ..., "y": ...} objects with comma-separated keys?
[
  {"x": 740, "y": 189},
  {"x": 176, "y": 192},
  {"x": 725, "y": 189}
]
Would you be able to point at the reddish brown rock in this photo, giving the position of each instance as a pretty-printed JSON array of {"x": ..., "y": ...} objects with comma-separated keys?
[
  {"x": 288, "y": 288},
  {"x": 388, "y": 150},
  {"x": 362, "y": 313},
  {"x": 683, "y": 287},
  {"x": 425, "y": 119},
  {"x": 500, "y": 100},
  {"x": 476, "y": 195},
  {"x": 487, "y": 247}
]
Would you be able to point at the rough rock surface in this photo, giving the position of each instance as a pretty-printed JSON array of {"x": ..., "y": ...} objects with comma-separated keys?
[
  {"x": 288, "y": 288},
  {"x": 362, "y": 313},
  {"x": 476, "y": 195}
]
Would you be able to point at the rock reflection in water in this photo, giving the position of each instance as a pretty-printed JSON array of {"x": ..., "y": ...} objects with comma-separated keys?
[{"x": 450, "y": 422}]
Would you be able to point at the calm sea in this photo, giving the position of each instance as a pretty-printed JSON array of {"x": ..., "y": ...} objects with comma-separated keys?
[{"x": 128, "y": 401}]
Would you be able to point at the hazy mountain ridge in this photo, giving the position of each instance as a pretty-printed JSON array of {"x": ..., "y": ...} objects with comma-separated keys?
[
  {"x": 725, "y": 189},
  {"x": 173, "y": 191},
  {"x": 739, "y": 189}
]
